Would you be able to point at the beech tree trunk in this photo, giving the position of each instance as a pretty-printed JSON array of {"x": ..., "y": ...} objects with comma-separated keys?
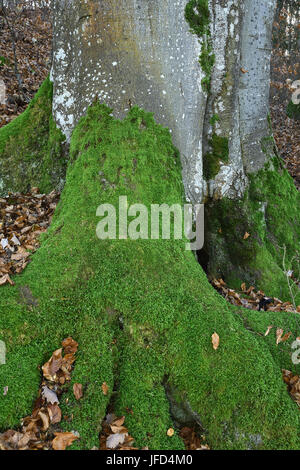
[
  {"x": 211, "y": 89},
  {"x": 143, "y": 53}
]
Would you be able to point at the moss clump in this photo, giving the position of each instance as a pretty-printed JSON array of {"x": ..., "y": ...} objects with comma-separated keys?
[
  {"x": 214, "y": 119},
  {"x": 219, "y": 154},
  {"x": 293, "y": 111},
  {"x": 31, "y": 148},
  {"x": 159, "y": 295},
  {"x": 270, "y": 213},
  {"x": 198, "y": 17}
]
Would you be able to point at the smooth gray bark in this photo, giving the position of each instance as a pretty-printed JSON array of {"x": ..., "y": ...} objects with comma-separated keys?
[{"x": 141, "y": 52}]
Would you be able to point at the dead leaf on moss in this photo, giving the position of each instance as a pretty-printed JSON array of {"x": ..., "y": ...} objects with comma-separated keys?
[
  {"x": 63, "y": 440},
  {"x": 77, "y": 390},
  {"x": 105, "y": 388},
  {"x": 215, "y": 341},
  {"x": 268, "y": 330},
  {"x": 49, "y": 395},
  {"x": 54, "y": 413},
  {"x": 53, "y": 365},
  {"x": 279, "y": 333},
  {"x": 36, "y": 431},
  {"x": 114, "y": 440}
]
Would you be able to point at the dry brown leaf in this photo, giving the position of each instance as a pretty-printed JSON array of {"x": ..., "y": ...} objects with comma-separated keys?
[
  {"x": 45, "y": 420},
  {"x": 105, "y": 388},
  {"x": 286, "y": 337},
  {"x": 118, "y": 429},
  {"x": 77, "y": 390},
  {"x": 268, "y": 330},
  {"x": 279, "y": 333},
  {"x": 53, "y": 365},
  {"x": 215, "y": 341},
  {"x": 54, "y": 412},
  {"x": 70, "y": 346},
  {"x": 63, "y": 440},
  {"x": 119, "y": 421}
]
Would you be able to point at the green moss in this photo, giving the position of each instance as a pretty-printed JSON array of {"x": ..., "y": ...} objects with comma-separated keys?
[
  {"x": 219, "y": 154},
  {"x": 214, "y": 119},
  {"x": 293, "y": 111},
  {"x": 31, "y": 148},
  {"x": 197, "y": 15},
  {"x": 270, "y": 213},
  {"x": 157, "y": 292}
]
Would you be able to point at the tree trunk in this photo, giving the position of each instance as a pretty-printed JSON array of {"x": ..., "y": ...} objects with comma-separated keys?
[
  {"x": 144, "y": 53},
  {"x": 143, "y": 311}
]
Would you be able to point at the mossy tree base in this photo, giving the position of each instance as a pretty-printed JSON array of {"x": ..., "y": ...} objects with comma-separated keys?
[
  {"x": 253, "y": 240},
  {"x": 142, "y": 311},
  {"x": 32, "y": 149}
]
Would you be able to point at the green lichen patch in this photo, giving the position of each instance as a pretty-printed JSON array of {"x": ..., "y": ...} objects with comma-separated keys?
[
  {"x": 32, "y": 148},
  {"x": 219, "y": 154},
  {"x": 142, "y": 311},
  {"x": 197, "y": 15}
]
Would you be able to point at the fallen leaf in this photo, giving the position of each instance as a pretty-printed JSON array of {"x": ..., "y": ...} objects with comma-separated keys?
[
  {"x": 268, "y": 330},
  {"x": 70, "y": 345},
  {"x": 54, "y": 412},
  {"x": 105, "y": 388},
  {"x": 45, "y": 420},
  {"x": 279, "y": 333},
  {"x": 63, "y": 440},
  {"x": 215, "y": 341},
  {"x": 119, "y": 421},
  {"x": 170, "y": 432},
  {"x": 246, "y": 236},
  {"x": 53, "y": 365},
  {"x": 77, "y": 390},
  {"x": 49, "y": 395},
  {"x": 286, "y": 337},
  {"x": 114, "y": 440}
]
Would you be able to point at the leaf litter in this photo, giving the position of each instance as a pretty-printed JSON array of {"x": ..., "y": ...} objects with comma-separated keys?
[
  {"x": 40, "y": 430},
  {"x": 24, "y": 217}
]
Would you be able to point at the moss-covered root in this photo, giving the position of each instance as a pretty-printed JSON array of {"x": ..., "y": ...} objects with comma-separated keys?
[
  {"x": 32, "y": 149},
  {"x": 143, "y": 399},
  {"x": 256, "y": 239},
  {"x": 142, "y": 311}
]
